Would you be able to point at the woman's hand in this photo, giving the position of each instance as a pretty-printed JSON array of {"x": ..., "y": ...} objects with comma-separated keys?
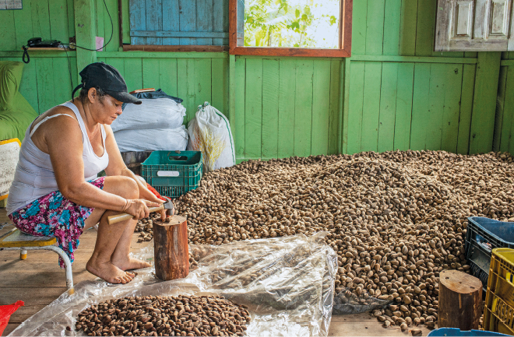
[{"x": 138, "y": 208}]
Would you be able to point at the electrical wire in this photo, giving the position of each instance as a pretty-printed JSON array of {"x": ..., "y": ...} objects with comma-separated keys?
[{"x": 112, "y": 33}]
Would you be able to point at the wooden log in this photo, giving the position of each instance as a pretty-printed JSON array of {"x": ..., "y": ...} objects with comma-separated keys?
[
  {"x": 171, "y": 252},
  {"x": 460, "y": 300}
]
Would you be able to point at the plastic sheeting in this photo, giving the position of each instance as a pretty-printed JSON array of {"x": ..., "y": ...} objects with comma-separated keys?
[{"x": 287, "y": 284}]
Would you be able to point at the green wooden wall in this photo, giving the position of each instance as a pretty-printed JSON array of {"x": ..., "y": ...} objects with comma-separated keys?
[{"x": 393, "y": 93}]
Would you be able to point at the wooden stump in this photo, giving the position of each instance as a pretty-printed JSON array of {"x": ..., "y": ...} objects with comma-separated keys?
[
  {"x": 171, "y": 252},
  {"x": 460, "y": 300}
]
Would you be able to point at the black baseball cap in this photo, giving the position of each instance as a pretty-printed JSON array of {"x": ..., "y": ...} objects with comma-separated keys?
[{"x": 107, "y": 78}]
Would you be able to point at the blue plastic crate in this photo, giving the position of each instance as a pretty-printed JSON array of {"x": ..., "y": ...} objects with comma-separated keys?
[
  {"x": 483, "y": 235},
  {"x": 458, "y": 332},
  {"x": 173, "y": 173}
]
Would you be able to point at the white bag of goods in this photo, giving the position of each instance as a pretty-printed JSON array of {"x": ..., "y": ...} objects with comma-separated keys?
[
  {"x": 152, "y": 139},
  {"x": 9, "y": 154},
  {"x": 210, "y": 133},
  {"x": 157, "y": 113}
]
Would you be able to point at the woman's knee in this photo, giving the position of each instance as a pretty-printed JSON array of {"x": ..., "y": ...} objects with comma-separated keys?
[{"x": 125, "y": 187}]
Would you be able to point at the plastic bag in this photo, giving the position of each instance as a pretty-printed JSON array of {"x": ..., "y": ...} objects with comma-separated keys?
[
  {"x": 152, "y": 139},
  {"x": 5, "y": 314},
  {"x": 159, "y": 113},
  {"x": 287, "y": 284},
  {"x": 210, "y": 133}
]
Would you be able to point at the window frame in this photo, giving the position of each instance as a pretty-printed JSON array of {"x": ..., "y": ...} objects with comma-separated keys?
[{"x": 345, "y": 38}]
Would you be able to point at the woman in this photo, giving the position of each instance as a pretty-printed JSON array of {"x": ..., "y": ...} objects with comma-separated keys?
[{"x": 56, "y": 191}]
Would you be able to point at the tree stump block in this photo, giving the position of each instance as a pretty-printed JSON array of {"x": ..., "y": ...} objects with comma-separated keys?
[
  {"x": 460, "y": 300},
  {"x": 171, "y": 251}
]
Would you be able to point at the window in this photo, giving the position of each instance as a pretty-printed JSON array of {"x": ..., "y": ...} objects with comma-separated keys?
[{"x": 291, "y": 27}]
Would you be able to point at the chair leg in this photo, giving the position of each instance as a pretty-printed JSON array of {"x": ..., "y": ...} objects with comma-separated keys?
[
  {"x": 23, "y": 254},
  {"x": 67, "y": 266}
]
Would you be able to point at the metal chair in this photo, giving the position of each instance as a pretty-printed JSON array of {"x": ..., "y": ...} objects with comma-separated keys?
[{"x": 15, "y": 239}]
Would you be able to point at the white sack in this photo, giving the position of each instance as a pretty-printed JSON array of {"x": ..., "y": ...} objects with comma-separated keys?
[
  {"x": 210, "y": 133},
  {"x": 158, "y": 113},
  {"x": 152, "y": 139}
]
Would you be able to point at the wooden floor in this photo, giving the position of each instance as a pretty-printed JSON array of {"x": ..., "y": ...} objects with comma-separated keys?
[{"x": 38, "y": 281}]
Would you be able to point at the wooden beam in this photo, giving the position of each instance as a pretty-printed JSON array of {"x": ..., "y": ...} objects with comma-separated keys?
[
  {"x": 157, "y": 48},
  {"x": 85, "y": 32},
  {"x": 232, "y": 92},
  {"x": 414, "y": 59},
  {"x": 161, "y": 33}
]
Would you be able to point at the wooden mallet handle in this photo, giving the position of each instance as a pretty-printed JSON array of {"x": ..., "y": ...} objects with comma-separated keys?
[{"x": 112, "y": 219}]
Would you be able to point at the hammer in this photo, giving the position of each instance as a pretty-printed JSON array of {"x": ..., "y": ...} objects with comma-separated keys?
[{"x": 112, "y": 219}]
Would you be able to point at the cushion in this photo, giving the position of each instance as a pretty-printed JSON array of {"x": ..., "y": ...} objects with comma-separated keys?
[{"x": 16, "y": 113}]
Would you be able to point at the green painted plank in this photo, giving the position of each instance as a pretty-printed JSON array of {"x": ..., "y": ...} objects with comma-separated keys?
[
  {"x": 28, "y": 85},
  {"x": 334, "y": 114},
  {"x": 151, "y": 73},
  {"x": 453, "y": 84},
  {"x": 23, "y": 29},
  {"x": 500, "y": 108},
  {"x": 359, "y": 27},
  {"x": 133, "y": 74},
  {"x": 253, "y": 109},
  {"x": 168, "y": 76},
  {"x": 125, "y": 22},
  {"x": 375, "y": 27},
  {"x": 507, "y": 120},
  {"x": 270, "y": 87},
  {"x": 388, "y": 95},
  {"x": 203, "y": 76},
  {"x": 113, "y": 31},
  {"x": 100, "y": 21},
  {"x": 321, "y": 107},
  {"x": 345, "y": 105},
  {"x": 71, "y": 19},
  {"x": 355, "y": 111},
  {"x": 61, "y": 86},
  {"x": 239, "y": 104},
  {"x": 43, "y": 12},
  {"x": 232, "y": 93},
  {"x": 404, "y": 106},
  {"x": 303, "y": 108},
  {"x": 484, "y": 103},
  {"x": 426, "y": 27},
  {"x": 392, "y": 22},
  {"x": 45, "y": 82},
  {"x": 220, "y": 84},
  {"x": 185, "y": 74},
  {"x": 371, "y": 106},
  {"x": 85, "y": 32},
  {"x": 7, "y": 25},
  {"x": 420, "y": 106},
  {"x": 58, "y": 11},
  {"x": 466, "y": 107},
  {"x": 286, "y": 106},
  {"x": 434, "y": 126},
  {"x": 409, "y": 22}
]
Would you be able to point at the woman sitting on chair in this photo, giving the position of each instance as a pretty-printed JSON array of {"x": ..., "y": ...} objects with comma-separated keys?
[{"x": 56, "y": 191}]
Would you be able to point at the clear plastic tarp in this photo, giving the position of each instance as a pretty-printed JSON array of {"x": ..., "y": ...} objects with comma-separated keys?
[{"x": 287, "y": 284}]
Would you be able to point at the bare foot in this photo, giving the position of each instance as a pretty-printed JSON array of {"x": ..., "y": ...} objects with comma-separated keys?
[
  {"x": 108, "y": 272},
  {"x": 130, "y": 263}
]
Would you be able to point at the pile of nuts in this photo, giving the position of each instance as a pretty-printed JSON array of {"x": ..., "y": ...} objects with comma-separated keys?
[
  {"x": 395, "y": 219},
  {"x": 145, "y": 227},
  {"x": 164, "y": 316}
]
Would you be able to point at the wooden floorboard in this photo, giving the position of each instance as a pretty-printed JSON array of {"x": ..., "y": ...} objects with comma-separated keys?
[{"x": 38, "y": 281}]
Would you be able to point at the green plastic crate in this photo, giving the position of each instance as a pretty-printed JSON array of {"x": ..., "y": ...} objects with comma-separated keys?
[{"x": 173, "y": 173}]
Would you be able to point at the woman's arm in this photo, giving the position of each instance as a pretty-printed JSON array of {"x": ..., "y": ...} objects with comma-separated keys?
[
  {"x": 117, "y": 167},
  {"x": 64, "y": 142}
]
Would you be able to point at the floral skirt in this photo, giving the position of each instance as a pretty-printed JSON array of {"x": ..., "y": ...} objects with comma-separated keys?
[{"x": 54, "y": 215}]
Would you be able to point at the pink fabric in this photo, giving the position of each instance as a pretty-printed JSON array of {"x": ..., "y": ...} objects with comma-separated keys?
[{"x": 54, "y": 215}]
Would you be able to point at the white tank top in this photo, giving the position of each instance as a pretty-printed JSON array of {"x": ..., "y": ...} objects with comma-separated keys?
[{"x": 35, "y": 175}]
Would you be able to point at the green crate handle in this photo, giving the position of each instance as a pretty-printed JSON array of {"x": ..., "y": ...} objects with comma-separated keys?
[
  {"x": 168, "y": 173},
  {"x": 182, "y": 158}
]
